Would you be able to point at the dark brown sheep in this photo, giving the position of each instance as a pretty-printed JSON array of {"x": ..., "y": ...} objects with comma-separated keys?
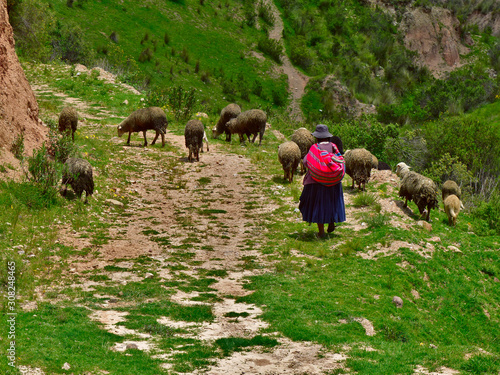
[
  {"x": 68, "y": 121},
  {"x": 78, "y": 174},
  {"x": 229, "y": 112},
  {"x": 193, "y": 136},
  {"x": 151, "y": 118}
]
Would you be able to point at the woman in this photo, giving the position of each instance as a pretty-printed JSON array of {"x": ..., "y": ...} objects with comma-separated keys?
[{"x": 319, "y": 203}]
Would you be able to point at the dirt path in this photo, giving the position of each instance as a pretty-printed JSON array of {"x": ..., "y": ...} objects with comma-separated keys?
[{"x": 297, "y": 81}]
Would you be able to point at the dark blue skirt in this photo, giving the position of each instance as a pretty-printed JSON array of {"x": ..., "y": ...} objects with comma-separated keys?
[{"x": 322, "y": 204}]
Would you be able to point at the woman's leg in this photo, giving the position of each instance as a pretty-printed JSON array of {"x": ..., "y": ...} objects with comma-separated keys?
[
  {"x": 331, "y": 227},
  {"x": 321, "y": 230}
]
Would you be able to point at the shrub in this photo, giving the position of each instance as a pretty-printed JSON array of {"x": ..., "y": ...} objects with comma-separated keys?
[
  {"x": 32, "y": 22},
  {"x": 146, "y": 55},
  {"x": 42, "y": 171},
  {"x": 17, "y": 147},
  {"x": 61, "y": 147},
  {"x": 69, "y": 44},
  {"x": 182, "y": 102},
  {"x": 271, "y": 47}
]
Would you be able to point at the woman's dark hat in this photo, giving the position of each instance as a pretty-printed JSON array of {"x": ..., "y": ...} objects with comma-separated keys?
[{"x": 321, "y": 132}]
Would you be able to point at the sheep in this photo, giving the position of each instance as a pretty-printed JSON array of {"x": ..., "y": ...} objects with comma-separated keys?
[
  {"x": 78, "y": 173},
  {"x": 450, "y": 187},
  {"x": 358, "y": 165},
  {"x": 249, "y": 122},
  {"x": 304, "y": 139},
  {"x": 420, "y": 189},
  {"x": 289, "y": 156},
  {"x": 229, "y": 112},
  {"x": 452, "y": 207},
  {"x": 68, "y": 121},
  {"x": 338, "y": 142},
  {"x": 193, "y": 135},
  {"x": 205, "y": 139},
  {"x": 151, "y": 118}
]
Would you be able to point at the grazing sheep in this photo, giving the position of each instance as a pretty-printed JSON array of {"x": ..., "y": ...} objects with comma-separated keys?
[
  {"x": 452, "y": 207},
  {"x": 304, "y": 139},
  {"x": 358, "y": 165},
  {"x": 193, "y": 135},
  {"x": 229, "y": 112},
  {"x": 151, "y": 118},
  {"x": 450, "y": 187},
  {"x": 68, "y": 121},
  {"x": 289, "y": 157},
  {"x": 78, "y": 173},
  {"x": 338, "y": 142},
  {"x": 249, "y": 122},
  {"x": 420, "y": 189}
]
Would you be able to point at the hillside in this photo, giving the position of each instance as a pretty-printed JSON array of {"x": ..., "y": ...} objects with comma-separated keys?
[
  {"x": 177, "y": 267},
  {"x": 207, "y": 268}
]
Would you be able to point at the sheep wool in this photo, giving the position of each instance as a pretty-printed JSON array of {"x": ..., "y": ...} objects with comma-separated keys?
[
  {"x": 141, "y": 120},
  {"x": 68, "y": 121},
  {"x": 229, "y": 112},
  {"x": 249, "y": 122},
  {"x": 304, "y": 139},
  {"x": 417, "y": 188},
  {"x": 452, "y": 208},
  {"x": 450, "y": 187},
  {"x": 289, "y": 156},
  {"x": 358, "y": 165},
  {"x": 78, "y": 174},
  {"x": 193, "y": 136}
]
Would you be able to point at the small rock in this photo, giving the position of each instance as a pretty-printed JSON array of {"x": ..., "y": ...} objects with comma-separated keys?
[
  {"x": 376, "y": 296},
  {"x": 454, "y": 249},
  {"x": 149, "y": 275},
  {"x": 125, "y": 102},
  {"x": 114, "y": 202},
  {"x": 415, "y": 294},
  {"x": 131, "y": 346},
  {"x": 433, "y": 346},
  {"x": 397, "y": 301},
  {"x": 66, "y": 366}
]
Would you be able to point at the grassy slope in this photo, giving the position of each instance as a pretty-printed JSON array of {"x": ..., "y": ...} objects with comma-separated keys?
[
  {"x": 317, "y": 299},
  {"x": 214, "y": 36}
]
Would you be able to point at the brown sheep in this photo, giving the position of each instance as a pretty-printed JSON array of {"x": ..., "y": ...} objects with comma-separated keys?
[
  {"x": 68, "y": 121},
  {"x": 304, "y": 139},
  {"x": 229, "y": 112},
  {"x": 151, "y": 118},
  {"x": 289, "y": 157},
  {"x": 193, "y": 136},
  {"x": 78, "y": 174},
  {"x": 452, "y": 208},
  {"x": 249, "y": 122}
]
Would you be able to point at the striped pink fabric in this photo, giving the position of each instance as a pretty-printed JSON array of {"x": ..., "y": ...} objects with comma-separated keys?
[{"x": 326, "y": 168}]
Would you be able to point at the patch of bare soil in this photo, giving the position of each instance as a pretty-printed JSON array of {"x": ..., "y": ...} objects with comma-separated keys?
[{"x": 207, "y": 212}]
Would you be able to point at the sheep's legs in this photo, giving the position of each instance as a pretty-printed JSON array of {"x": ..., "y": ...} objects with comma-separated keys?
[
  {"x": 128, "y": 140},
  {"x": 145, "y": 139},
  {"x": 156, "y": 137}
]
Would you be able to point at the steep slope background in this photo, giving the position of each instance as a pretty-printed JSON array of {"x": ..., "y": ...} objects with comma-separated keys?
[{"x": 18, "y": 106}]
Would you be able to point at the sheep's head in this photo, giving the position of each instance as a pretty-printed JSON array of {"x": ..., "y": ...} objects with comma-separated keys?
[
  {"x": 120, "y": 130},
  {"x": 215, "y": 133},
  {"x": 402, "y": 169}
]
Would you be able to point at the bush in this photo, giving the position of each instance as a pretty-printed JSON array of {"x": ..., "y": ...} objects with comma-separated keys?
[
  {"x": 17, "y": 147},
  {"x": 61, "y": 147},
  {"x": 69, "y": 44},
  {"x": 32, "y": 22},
  {"x": 271, "y": 47},
  {"x": 43, "y": 171}
]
